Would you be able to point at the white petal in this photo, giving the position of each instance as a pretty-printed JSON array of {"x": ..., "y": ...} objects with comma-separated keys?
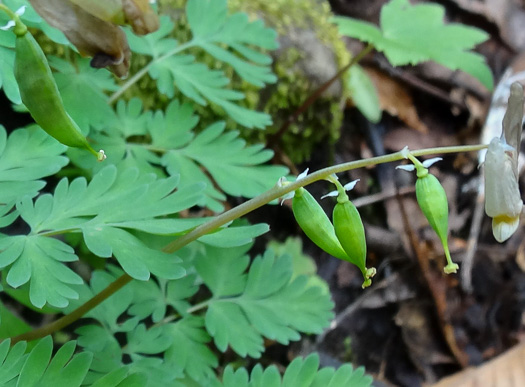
[
  {"x": 409, "y": 167},
  {"x": 303, "y": 175},
  {"x": 503, "y": 228},
  {"x": 20, "y": 11},
  {"x": 405, "y": 152},
  {"x": 330, "y": 194},
  {"x": 502, "y": 193},
  {"x": 281, "y": 182},
  {"x": 9, "y": 24},
  {"x": 350, "y": 186},
  {"x": 429, "y": 162}
]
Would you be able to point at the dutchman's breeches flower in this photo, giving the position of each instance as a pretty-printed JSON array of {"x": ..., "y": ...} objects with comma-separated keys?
[{"x": 502, "y": 195}]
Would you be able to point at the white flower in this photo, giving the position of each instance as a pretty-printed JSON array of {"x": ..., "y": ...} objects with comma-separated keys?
[{"x": 502, "y": 195}]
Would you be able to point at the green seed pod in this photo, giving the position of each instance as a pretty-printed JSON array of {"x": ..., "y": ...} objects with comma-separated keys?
[
  {"x": 432, "y": 200},
  {"x": 40, "y": 93},
  {"x": 350, "y": 232},
  {"x": 312, "y": 219}
]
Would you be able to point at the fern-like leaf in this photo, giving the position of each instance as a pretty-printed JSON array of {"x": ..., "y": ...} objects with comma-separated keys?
[
  {"x": 195, "y": 80},
  {"x": 263, "y": 302},
  {"x": 39, "y": 368},
  {"x": 301, "y": 372},
  {"x": 212, "y": 27},
  {"x": 236, "y": 168},
  {"x": 20, "y": 176}
]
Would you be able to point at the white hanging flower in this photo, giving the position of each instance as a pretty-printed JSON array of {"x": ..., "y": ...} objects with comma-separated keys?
[{"x": 502, "y": 195}]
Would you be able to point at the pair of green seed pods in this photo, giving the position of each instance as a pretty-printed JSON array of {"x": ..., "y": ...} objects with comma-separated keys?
[
  {"x": 39, "y": 91},
  {"x": 344, "y": 239}
]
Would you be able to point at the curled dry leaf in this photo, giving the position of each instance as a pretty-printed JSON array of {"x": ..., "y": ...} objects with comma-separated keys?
[
  {"x": 137, "y": 13},
  {"x": 92, "y": 26}
]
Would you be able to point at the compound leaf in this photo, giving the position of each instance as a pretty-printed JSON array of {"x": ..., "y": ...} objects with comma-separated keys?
[
  {"x": 19, "y": 176},
  {"x": 106, "y": 208},
  {"x": 219, "y": 159},
  {"x": 38, "y": 260},
  {"x": 300, "y": 372},
  {"x": 189, "y": 353},
  {"x": 195, "y": 80},
  {"x": 212, "y": 26},
  {"x": 11, "y": 361},
  {"x": 411, "y": 34},
  {"x": 39, "y": 370},
  {"x": 264, "y": 302},
  {"x": 234, "y": 166}
]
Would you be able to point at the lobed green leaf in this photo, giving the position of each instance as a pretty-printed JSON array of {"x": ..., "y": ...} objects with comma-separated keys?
[{"x": 411, "y": 34}]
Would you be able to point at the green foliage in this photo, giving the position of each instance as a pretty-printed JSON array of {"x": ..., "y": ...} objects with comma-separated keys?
[
  {"x": 191, "y": 296},
  {"x": 21, "y": 176},
  {"x": 364, "y": 94},
  {"x": 301, "y": 372},
  {"x": 247, "y": 304},
  {"x": 217, "y": 33},
  {"x": 244, "y": 305},
  {"x": 39, "y": 368},
  {"x": 152, "y": 142},
  {"x": 413, "y": 34}
]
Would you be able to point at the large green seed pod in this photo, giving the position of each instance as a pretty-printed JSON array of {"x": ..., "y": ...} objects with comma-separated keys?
[
  {"x": 312, "y": 219},
  {"x": 40, "y": 93},
  {"x": 350, "y": 232},
  {"x": 432, "y": 200}
]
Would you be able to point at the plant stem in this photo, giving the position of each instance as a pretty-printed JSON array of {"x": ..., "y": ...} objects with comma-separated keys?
[
  {"x": 228, "y": 216},
  {"x": 64, "y": 321}
]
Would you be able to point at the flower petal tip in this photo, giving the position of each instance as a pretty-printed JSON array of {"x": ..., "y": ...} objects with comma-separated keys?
[
  {"x": 330, "y": 194},
  {"x": 303, "y": 174},
  {"x": 9, "y": 24},
  {"x": 409, "y": 167},
  {"x": 503, "y": 227},
  {"x": 20, "y": 11},
  {"x": 350, "y": 186},
  {"x": 429, "y": 162}
]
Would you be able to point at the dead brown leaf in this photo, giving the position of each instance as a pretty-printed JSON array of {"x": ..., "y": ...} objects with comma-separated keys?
[
  {"x": 103, "y": 41},
  {"x": 396, "y": 100},
  {"x": 506, "y": 370}
]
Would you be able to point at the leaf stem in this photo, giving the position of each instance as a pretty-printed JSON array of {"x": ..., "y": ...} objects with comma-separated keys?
[
  {"x": 143, "y": 71},
  {"x": 228, "y": 216}
]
